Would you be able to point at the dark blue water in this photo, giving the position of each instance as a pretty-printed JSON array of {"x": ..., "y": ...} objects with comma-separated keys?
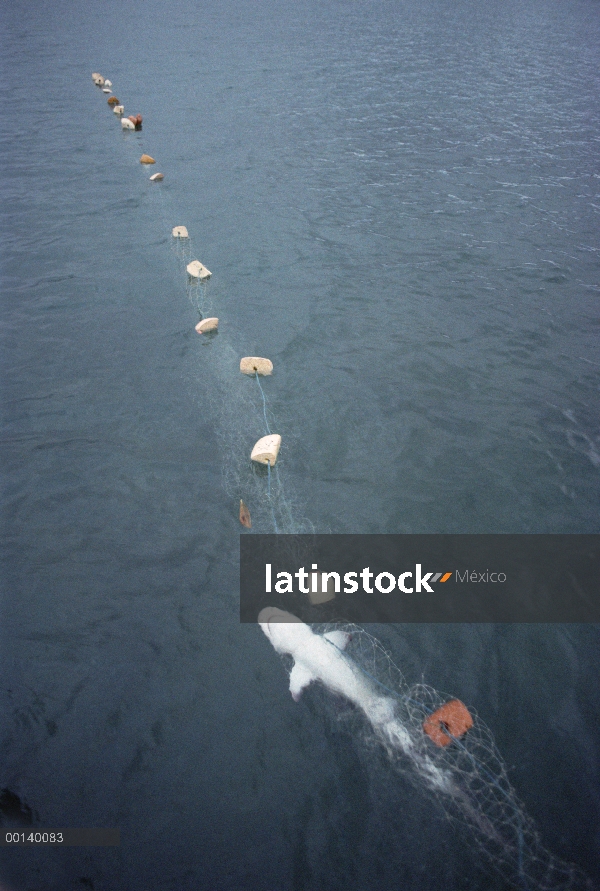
[{"x": 399, "y": 204}]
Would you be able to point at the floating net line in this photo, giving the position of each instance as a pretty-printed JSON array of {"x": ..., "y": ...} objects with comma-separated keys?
[
  {"x": 467, "y": 776},
  {"x": 239, "y": 404}
]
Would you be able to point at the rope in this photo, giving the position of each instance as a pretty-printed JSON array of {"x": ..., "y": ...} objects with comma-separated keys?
[
  {"x": 264, "y": 401},
  {"x": 262, "y": 393},
  {"x": 269, "y": 496}
]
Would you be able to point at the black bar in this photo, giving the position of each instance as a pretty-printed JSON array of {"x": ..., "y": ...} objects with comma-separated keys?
[
  {"x": 466, "y": 578},
  {"x": 65, "y": 838}
]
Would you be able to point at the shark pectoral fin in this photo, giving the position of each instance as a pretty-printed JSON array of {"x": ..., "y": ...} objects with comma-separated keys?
[
  {"x": 300, "y": 678},
  {"x": 338, "y": 638}
]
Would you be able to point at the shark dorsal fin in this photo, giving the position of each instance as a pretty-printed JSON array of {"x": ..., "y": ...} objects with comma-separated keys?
[
  {"x": 338, "y": 638},
  {"x": 300, "y": 678}
]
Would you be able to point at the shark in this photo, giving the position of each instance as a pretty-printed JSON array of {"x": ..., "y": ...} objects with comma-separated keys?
[{"x": 321, "y": 658}]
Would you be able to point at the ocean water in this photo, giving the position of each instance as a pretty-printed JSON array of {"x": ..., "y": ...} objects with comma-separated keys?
[{"x": 399, "y": 205}]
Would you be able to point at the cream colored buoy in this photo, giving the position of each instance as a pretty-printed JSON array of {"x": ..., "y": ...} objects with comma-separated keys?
[
  {"x": 98, "y": 79},
  {"x": 266, "y": 449},
  {"x": 180, "y": 232},
  {"x": 197, "y": 270},
  {"x": 120, "y": 109},
  {"x": 146, "y": 159},
  {"x": 320, "y": 592},
  {"x": 156, "y": 177},
  {"x": 207, "y": 325},
  {"x": 256, "y": 365},
  {"x": 126, "y": 124}
]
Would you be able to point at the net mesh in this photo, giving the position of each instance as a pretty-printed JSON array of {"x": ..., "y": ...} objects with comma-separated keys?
[{"x": 467, "y": 776}]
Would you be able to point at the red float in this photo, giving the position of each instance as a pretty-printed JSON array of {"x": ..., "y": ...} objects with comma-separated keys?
[{"x": 447, "y": 723}]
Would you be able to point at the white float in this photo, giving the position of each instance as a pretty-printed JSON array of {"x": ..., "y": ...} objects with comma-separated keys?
[
  {"x": 156, "y": 177},
  {"x": 180, "y": 232},
  {"x": 108, "y": 83},
  {"x": 126, "y": 124},
  {"x": 266, "y": 449},
  {"x": 119, "y": 109},
  {"x": 106, "y": 89},
  {"x": 256, "y": 365},
  {"x": 207, "y": 325},
  {"x": 197, "y": 270},
  {"x": 318, "y": 592}
]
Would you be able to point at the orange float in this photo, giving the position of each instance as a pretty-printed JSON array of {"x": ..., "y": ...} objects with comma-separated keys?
[
  {"x": 447, "y": 723},
  {"x": 113, "y": 100}
]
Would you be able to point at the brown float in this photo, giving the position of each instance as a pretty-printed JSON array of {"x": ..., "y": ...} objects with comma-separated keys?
[{"x": 245, "y": 515}]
